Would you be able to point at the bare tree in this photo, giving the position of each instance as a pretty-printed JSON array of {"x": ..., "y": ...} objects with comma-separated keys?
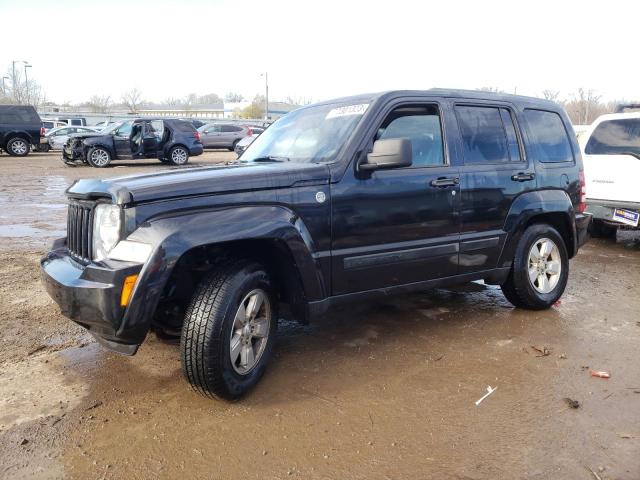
[
  {"x": 585, "y": 106},
  {"x": 132, "y": 99},
  {"x": 551, "y": 95},
  {"x": 99, "y": 104},
  {"x": 233, "y": 97}
]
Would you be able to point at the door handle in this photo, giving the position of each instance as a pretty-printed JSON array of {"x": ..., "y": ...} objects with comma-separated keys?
[
  {"x": 523, "y": 177},
  {"x": 444, "y": 182}
]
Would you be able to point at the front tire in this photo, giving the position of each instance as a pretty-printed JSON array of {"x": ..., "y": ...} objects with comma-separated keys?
[
  {"x": 178, "y": 155},
  {"x": 98, "y": 157},
  {"x": 18, "y": 147},
  {"x": 540, "y": 269},
  {"x": 229, "y": 330}
]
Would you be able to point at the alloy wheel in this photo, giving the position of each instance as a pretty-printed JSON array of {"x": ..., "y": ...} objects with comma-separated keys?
[
  {"x": 250, "y": 331},
  {"x": 544, "y": 265}
]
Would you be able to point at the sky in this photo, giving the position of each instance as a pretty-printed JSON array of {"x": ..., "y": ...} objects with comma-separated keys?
[{"x": 321, "y": 49}]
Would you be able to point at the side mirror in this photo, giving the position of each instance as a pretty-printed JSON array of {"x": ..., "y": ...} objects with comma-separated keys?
[{"x": 390, "y": 153}]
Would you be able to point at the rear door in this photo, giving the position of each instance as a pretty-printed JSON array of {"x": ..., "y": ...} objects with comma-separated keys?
[
  {"x": 612, "y": 161},
  {"x": 494, "y": 172}
]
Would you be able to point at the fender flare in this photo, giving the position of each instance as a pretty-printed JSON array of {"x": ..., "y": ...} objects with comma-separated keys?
[
  {"x": 530, "y": 205},
  {"x": 175, "y": 234}
]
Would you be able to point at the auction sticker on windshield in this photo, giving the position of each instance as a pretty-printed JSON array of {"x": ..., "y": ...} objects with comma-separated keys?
[
  {"x": 627, "y": 217},
  {"x": 347, "y": 110}
]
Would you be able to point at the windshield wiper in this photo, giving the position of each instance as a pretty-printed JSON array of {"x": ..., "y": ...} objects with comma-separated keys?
[{"x": 270, "y": 158}]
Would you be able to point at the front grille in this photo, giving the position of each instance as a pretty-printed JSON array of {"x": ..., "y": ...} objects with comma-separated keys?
[{"x": 80, "y": 230}]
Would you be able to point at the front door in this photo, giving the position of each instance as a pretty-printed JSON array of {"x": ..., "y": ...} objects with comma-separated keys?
[
  {"x": 210, "y": 136},
  {"x": 122, "y": 140},
  {"x": 399, "y": 226}
]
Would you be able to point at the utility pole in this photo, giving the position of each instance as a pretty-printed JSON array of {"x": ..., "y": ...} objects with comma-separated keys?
[
  {"x": 26, "y": 80},
  {"x": 4, "y": 85}
]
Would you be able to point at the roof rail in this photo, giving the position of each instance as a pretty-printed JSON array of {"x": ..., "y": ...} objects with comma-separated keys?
[{"x": 621, "y": 107}]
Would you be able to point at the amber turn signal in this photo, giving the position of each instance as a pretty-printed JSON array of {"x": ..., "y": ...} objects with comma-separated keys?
[{"x": 127, "y": 289}]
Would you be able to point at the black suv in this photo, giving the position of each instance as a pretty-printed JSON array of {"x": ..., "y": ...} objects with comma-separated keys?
[
  {"x": 336, "y": 202},
  {"x": 171, "y": 141},
  {"x": 20, "y": 128}
]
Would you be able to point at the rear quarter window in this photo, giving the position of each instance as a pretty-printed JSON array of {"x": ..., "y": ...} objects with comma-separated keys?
[
  {"x": 613, "y": 137},
  {"x": 549, "y": 141},
  {"x": 18, "y": 114},
  {"x": 184, "y": 127}
]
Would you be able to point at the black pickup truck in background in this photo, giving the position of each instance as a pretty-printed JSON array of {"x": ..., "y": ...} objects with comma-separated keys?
[
  {"x": 20, "y": 129},
  {"x": 342, "y": 201}
]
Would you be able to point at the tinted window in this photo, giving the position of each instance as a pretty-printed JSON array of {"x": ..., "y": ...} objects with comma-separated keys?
[
  {"x": 184, "y": 127},
  {"x": 18, "y": 114},
  {"x": 47, "y": 124},
  {"x": 549, "y": 140},
  {"x": 483, "y": 136},
  {"x": 421, "y": 125},
  {"x": 615, "y": 137}
]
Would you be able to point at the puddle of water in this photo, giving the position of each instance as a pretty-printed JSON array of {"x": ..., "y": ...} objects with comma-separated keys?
[{"x": 23, "y": 230}]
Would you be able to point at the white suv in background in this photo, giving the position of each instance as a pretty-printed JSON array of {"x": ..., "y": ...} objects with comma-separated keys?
[{"x": 611, "y": 154}]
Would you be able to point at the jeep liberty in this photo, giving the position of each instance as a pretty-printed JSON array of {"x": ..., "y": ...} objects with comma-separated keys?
[{"x": 340, "y": 201}]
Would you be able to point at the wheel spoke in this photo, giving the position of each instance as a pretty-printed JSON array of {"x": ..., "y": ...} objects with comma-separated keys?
[
  {"x": 545, "y": 249},
  {"x": 553, "y": 268},
  {"x": 246, "y": 356},
  {"x": 236, "y": 346},
  {"x": 534, "y": 255},
  {"x": 255, "y": 303},
  {"x": 533, "y": 274},
  {"x": 543, "y": 283},
  {"x": 260, "y": 327},
  {"x": 241, "y": 317}
]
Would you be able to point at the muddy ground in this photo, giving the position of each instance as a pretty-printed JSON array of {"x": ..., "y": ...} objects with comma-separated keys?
[{"x": 382, "y": 390}]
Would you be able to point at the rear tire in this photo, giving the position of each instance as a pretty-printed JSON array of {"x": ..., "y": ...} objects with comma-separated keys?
[
  {"x": 18, "y": 147},
  {"x": 98, "y": 157},
  {"x": 225, "y": 344},
  {"x": 178, "y": 155},
  {"x": 233, "y": 147},
  {"x": 538, "y": 278},
  {"x": 600, "y": 229}
]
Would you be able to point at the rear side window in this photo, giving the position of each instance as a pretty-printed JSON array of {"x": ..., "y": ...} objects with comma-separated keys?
[
  {"x": 185, "y": 127},
  {"x": 18, "y": 114},
  {"x": 549, "y": 139},
  {"x": 488, "y": 135},
  {"x": 615, "y": 137}
]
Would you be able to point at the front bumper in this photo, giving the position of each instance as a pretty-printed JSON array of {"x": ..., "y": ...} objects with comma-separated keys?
[
  {"x": 90, "y": 295},
  {"x": 69, "y": 153}
]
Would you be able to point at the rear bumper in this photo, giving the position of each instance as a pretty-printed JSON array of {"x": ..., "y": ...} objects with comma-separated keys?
[
  {"x": 582, "y": 227},
  {"x": 603, "y": 210},
  {"x": 90, "y": 295},
  {"x": 196, "y": 150}
]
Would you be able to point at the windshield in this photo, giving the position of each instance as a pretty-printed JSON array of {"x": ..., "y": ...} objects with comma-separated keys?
[{"x": 313, "y": 134}]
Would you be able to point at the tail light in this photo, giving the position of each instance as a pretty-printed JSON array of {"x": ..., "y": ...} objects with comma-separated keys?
[
  {"x": 42, "y": 131},
  {"x": 583, "y": 192},
  {"x": 196, "y": 135},
  {"x": 249, "y": 130}
]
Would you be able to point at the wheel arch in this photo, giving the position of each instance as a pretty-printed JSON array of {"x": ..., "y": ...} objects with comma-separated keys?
[
  {"x": 186, "y": 247},
  {"x": 15, "y": 134},
  {"x": 552, "y": 207}
]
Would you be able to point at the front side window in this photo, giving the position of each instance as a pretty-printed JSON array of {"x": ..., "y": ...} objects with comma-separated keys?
[
  {"x": 124, "y": 130},
  {"x": 310, "y": 134},
  {"x": 549, "y": 141},
  {"x": 613, "y": 137},
  {"x": 421, "y": 125},
  {"x": 484, "y": 139}
]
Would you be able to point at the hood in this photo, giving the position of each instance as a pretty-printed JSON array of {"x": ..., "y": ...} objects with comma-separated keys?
[{"x": 198, "y": 181}]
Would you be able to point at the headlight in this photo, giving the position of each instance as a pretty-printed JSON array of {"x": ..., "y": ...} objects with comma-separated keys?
[
  {"x": 129, "y": 251},
  {"x": 106, "y": 230}
]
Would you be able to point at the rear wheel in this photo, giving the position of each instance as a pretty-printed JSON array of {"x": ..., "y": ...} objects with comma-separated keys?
[
  {"x": 229, "y": 329},
  {"x": 233, "y": 147},
  {"x": 98, "y": 157},
  {"x": 178, "y": 155},
  {"x": 18, "y": 147},
  {"x": 540, "y": 269}
]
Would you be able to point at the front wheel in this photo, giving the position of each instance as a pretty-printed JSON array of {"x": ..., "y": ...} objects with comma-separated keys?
[
  {"x": 229, "y": 329},
  {"x": 18, "y": 147},
  {"x": 178, "y": 155},
  {"x": 540, "y": 269},
  {"x": 98, "y": 157}
]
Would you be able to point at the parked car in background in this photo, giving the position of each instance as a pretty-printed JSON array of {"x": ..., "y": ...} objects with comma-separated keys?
[
  {"x": 102, "y": 125},
  {"x": 170, "y": 141},
  {"x": 77, "y": 121},
  {"x": 611, "y": 152},
  {"x": 57, "y": 137},
  {"x": 20, "y": 129},
  {"x": 223, "y": 135},
  {"x": 349, "y": 200},
  {"x": 196, "y": 123},
  {"x": 49, "y": 124},
  {"x": 242, "y": 145}
]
